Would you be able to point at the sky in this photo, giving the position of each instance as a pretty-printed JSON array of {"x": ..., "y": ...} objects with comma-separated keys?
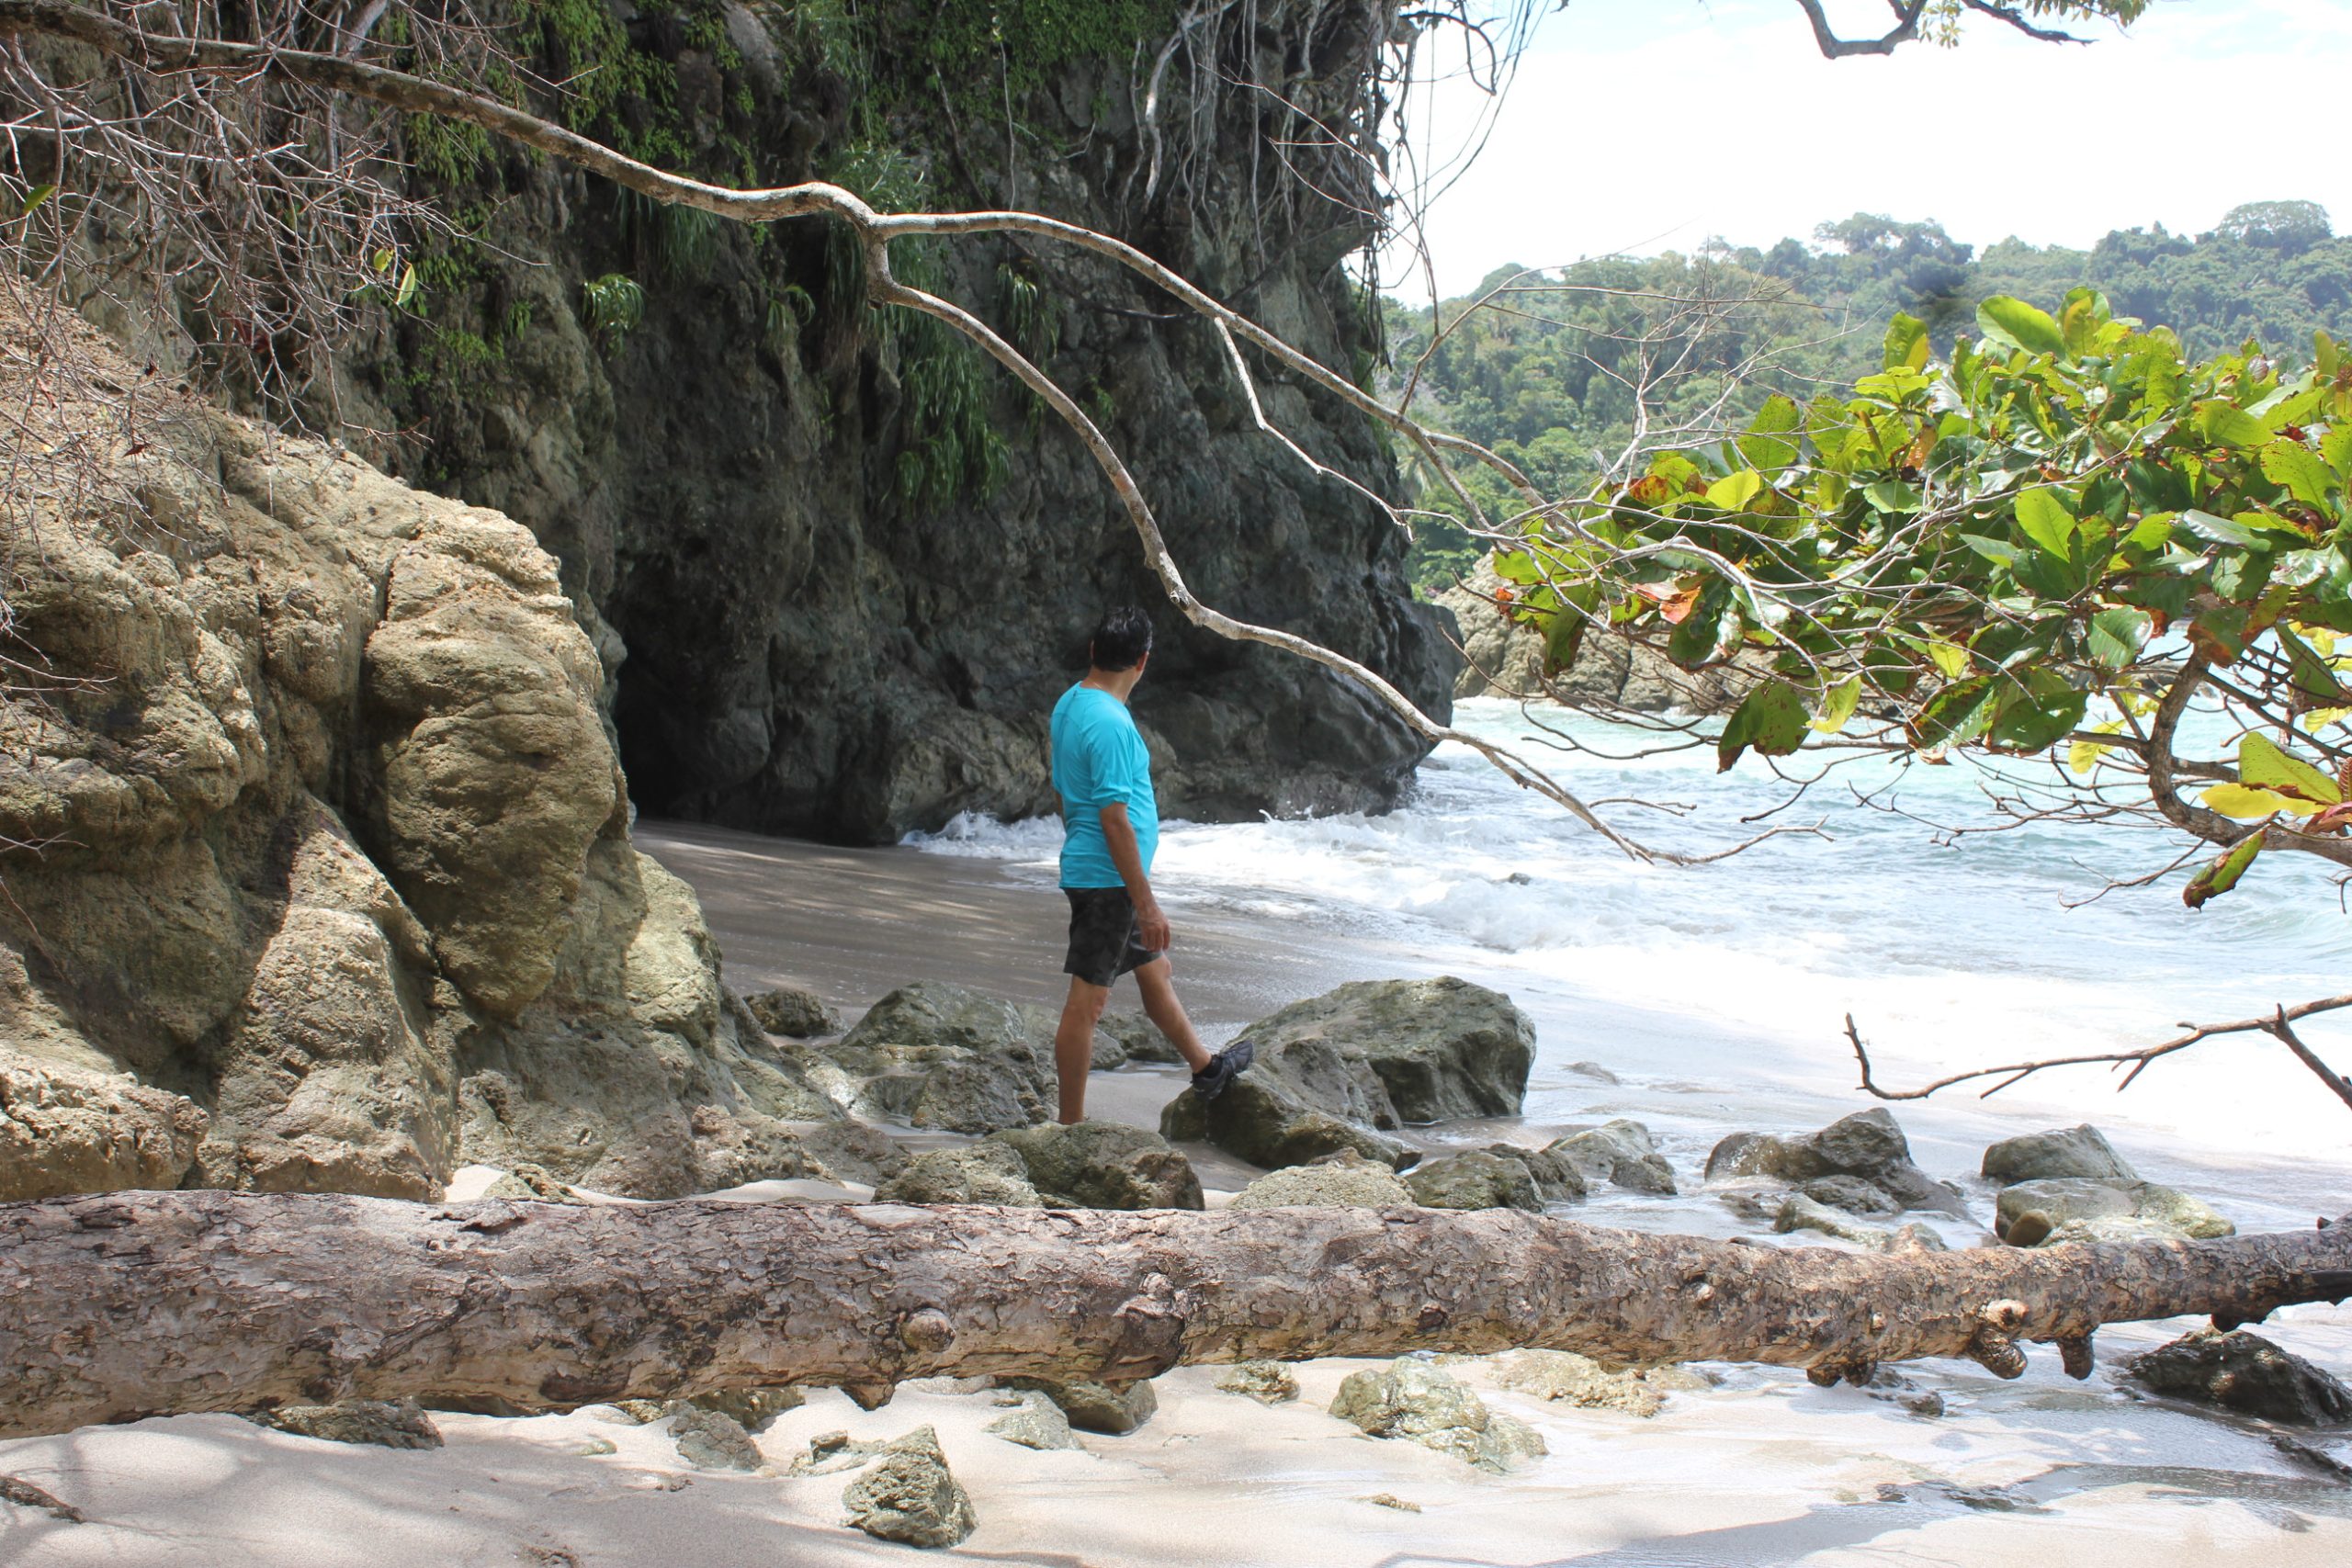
[{"x": 1636, "y": 126}]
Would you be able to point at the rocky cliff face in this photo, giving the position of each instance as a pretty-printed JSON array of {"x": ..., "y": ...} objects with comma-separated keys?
[
  {"x": 819, "y": 613},
  {"x": 316, "y": 860}
]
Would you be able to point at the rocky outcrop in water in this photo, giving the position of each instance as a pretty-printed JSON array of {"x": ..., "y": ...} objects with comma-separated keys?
[
  {"x": 818, "y": 612},
  {"x": 317, "y": 852}
]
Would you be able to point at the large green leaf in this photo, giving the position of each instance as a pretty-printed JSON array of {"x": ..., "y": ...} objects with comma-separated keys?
[
  {"x": 1959, "y": 713},
  {"x": 2230, "y": 425},
  {"x": 2301, "y": 470},
  {"x": 1907, "y": 343},
  {"x": 2222, "y": 875},
  {"x": 2084, "y": 312},
  {"x": 1837, "y": 705},
  {"x": 2263, "y": 765},
  {"x": 1734, "y": 491},
  {"x": 2019, "y": 326},
  {"x": 1771, "y": 720},
  {"x": 1771, "y": 443},
  {"x": 2045, "y": 517},
  {"x": 2039, "y": 717},
  {"x": 2220, "y": 530},
  {"x": 2117, "y": 636}
]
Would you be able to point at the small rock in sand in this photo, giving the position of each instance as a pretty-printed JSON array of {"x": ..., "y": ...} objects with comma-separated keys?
[
  {"x": 752, "y": 1408},
  {"x": 1111, "y": 1408},
  {"x": 1594, "y": 1071},
  {"x": 709, "y": 1440},
  {"x": 25, "y": 1495},
  {"x": 1390, "y": 1500},
  {"x": 1585, "y": 1384},
  {"x": 531, "y": 1183},
  {"x": 594, "y": 1448},
  {"x": 1347, "y": 1178},
  {"x": 1038, "y": 1424},
  {"x": 1417, "y": 1401},
  {"x": 1267, "y": 1382},
  {"x": 640, "y": 1412},
  {"x": 910, "y": 1497},
  {"x": 387, "y": 1424}
]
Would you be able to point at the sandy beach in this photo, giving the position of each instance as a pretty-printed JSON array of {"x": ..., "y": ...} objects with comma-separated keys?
[{"x": 1761, "y": 1467}]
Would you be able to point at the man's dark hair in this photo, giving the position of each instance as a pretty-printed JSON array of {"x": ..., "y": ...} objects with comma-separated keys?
[{"x": 1121, "y": 641}]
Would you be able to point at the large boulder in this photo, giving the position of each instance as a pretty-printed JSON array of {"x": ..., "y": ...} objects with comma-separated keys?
[
  {"x": 2246, "y": 1373},
  {"x": 1422, "y": 1403},
  {"x": 910, "y": 1496},
  {"x": 1474, "y": 1180},
  {"x": 2070, "y": 1209},
  {"x": 1103, "y": 1165},
  {"x": 1347, "y": 1180},
  {"x": 1619, "y": 1152},
  {"x": 1868, "y": 1146},
  {"x": 941, "y": 1057},
  {"x": 1443, "y": 1048},
  {"x": 335, "y": 848},
  {"x": 2081, "y": 1151},
  {"x": 1342, "y": 1069}
]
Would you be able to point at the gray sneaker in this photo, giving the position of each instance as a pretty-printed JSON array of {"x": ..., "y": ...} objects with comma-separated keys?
[{"x": 1224, "y": 1067}]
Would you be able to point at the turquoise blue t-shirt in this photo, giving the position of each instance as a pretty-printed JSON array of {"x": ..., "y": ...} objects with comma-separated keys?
[{"x": 1099, "y": 758}]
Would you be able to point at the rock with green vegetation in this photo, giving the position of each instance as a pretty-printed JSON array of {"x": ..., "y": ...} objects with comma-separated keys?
[
  {"x": 1103, "y": 1165},
  {"x": 1618, "y": 1152},
  {"x": 1038, "y": 1423},
  {"x": 2069, "y": 1152},
  {"x": 1347, "y": 1180},
  {"x": 1502, "y": 658},
  {"x": 910, "y": 1496},
  {"x": 1113, "y": 1408},
  {"x": 985, "y": 1172},
  {"x": 1474, "y": 1180},
  {"x": 2246, "y": 1373},
  {"x": 1424, "y": 1404},
  {"x": 711, "y": 1439},
  {"x": 751, "y": 1408},
  {"x": 2069, "y": 1209},
  {"x": 388, "y": 1424},
  {"x": 346, "y": 897},
  {"x": 942, "y": 1057},
  {"x": 793, "y": 1010},
  {"x": 1267, "y": 1382}
]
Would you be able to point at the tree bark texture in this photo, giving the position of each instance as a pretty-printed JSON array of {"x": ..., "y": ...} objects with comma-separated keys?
[{"x": 126, "y": 1304}]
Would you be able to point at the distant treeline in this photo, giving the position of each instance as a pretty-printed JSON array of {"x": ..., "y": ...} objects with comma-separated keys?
[{"x": 1550, "y": 374}]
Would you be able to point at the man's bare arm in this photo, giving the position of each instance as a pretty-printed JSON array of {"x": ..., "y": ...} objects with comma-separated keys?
[{"x": 1119, "y": 834}]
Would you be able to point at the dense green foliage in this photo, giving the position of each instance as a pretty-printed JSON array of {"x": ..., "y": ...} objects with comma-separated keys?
[
  {"x": 1991, "y": 550},
  {"x": 1543, "y": 379}
]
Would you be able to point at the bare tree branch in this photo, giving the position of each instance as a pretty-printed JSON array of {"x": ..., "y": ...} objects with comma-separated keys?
[{"x": 2275, "y": 1025}]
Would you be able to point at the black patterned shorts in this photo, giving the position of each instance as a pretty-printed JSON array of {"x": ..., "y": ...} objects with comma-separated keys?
[{"x": 1103, "y": 944}]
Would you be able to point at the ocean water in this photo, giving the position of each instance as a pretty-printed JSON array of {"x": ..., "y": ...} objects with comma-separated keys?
[{"x": 1951, "y": 949}]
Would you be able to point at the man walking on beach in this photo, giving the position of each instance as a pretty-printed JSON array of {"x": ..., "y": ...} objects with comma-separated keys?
[{"x": 1111, "y": 826}]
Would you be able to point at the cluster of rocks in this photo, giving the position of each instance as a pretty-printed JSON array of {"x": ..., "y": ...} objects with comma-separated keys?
[{"x": 2070, "y": 1185}]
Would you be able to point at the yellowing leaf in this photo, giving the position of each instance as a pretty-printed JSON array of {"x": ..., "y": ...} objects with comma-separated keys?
[
  {"x": 1837, "y": 705},
  {"x": 1949, "y": 659},
  {"x": 2247, "y": 805},
  {"x": 2084, "y": 755},
  {"x": 2262, "y": 765},
  {"x": 1734, "y": 491}
]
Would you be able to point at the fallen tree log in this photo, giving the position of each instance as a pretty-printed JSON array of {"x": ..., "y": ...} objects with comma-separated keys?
[{"x": 134, "y": 1304}]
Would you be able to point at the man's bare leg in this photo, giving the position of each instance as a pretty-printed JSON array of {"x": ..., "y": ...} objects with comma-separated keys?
[
  {"x": 1157, "y": 984},
  {"x": 1074, "y": 1044}
]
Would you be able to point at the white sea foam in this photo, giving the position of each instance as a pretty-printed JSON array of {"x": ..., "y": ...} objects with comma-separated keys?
[{"x": 1950, "y": 953}]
